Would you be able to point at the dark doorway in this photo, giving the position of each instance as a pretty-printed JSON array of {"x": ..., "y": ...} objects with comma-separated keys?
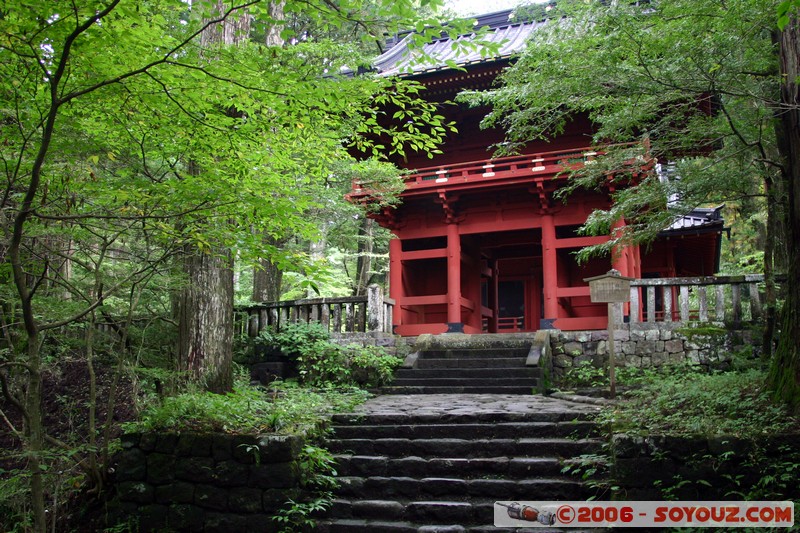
[{"x": 511, "y": 301}]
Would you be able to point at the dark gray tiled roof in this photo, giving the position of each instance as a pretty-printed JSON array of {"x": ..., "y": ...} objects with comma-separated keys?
[{"x": 440, "y": 54}]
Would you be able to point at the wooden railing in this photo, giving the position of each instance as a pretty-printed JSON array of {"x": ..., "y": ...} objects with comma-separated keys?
[
  {"x": 703, "y": 299},
  {"x": 540, "y": 165},
  {"x": 354, "y": 314}
]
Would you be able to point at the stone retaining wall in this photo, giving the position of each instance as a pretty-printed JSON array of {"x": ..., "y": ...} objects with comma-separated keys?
[
  {"x": 698, "y": 468},
  {"x": 646, "y": 345},
  {"x": 206, "y": 482}
]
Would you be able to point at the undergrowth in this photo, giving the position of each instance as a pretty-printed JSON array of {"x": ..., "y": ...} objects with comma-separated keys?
[
  {"x": 694, "y": 403},
  {"x": 282, "y": 408},
  {"x": 719, "y": 406}
]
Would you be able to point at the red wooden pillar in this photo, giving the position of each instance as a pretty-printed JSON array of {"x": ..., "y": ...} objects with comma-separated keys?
[
  {"x": 619, "y": 255},
  {"x": 396, "y": 289},
  {"x": 454, "y": 279},
  {"x": 549, "y": 268},
  {"x": 494, "y": 292}
]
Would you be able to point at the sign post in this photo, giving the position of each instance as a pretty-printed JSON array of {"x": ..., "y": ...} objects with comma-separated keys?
[{"x": 611, "y": 288}]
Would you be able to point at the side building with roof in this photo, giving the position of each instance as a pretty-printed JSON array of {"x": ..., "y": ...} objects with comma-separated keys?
[{"x": 482, "y": 244}]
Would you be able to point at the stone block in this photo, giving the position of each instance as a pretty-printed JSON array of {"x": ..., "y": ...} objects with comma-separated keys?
[
  {"x": 221, "y": 447},
  {"x": 638, "y": 335},
  {"x": 621, "y": 335},
  {"x": 666, "y": 334},
  {"x": 245, "y": 448},
  {"x": 625, "y": 445},
  {"x": 590, "y": 348},
  {"x": 147, "y": 442},
  {"x": 627, "y": 347},
  {"x": 129, "y": 440},
  {"x": 245, "y": 500},
  {"x": 152, "y": 517},
  {"x": 646, "y": 347},
  {"x": 183, "y": 517},
  {"x": 135, "y": 491},
  {"x": 224, "y": 523},
  {"x": 562, "y": 361},
  {"x": 647, "y": 361},
  {"x": 673, "y": 346},
  {"x": 693, "y": 356},
  {"x": 602, "y": 347},
  {"x": 601, "y": 335},
  {"x": 160, "y": 468},
  {"x": 677, "y": 357},
  {"x": 166, "y": 443},
  {"x": 261, "y": 523},
  {"x": 211, "y": 497},
  {"x": 131, "y": 465},
  {"x": 573, "y": 348},
  {"x": 582, "y": 359},
  {"x": 274, "y": 499},
  {"x": 652, "y": 335},
  {"x": 659, "y": 358},
  {"x": 583, "y": 336},
  {"x": 178, "y": 492},
  {"x": 195, "y": 469},
  {"x": 273, "y": 476},
  {"x": 193, "y": 445},
  {"x": 231, "y": 473},
  {"x": 659, "y": 346},
  {"x": 280, "y": 448}
]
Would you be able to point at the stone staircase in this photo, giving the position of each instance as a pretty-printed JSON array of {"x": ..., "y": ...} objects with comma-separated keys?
[
  {"x": 453, "y": 363},
  {"x": 435, "y": 463}
]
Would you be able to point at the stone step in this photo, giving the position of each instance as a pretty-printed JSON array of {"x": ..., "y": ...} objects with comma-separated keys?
[
  {"x": 444, "y": 389},
  {"x": 377, "y": 526},
  {"x": 467, "y": 362},
  {"x": 419, "y": 467},
  {"x": 462, "y": 491},
  {"x": 503, "y": 372},
  {"x": 434, "y": 513},
  {"x": 470, "y": 353},
  {"x": 456, "y": 380},
  {"x": 500, "y": 430},
  {"x": 543, "y": 414},
  {"x": 466, "y": 448}
]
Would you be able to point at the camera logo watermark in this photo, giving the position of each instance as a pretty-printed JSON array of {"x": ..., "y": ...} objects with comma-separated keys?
[{"x": 644, "y": 514}]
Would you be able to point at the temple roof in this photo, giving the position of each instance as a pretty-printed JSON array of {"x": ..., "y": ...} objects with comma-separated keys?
[
  {"x": 699, "y": 220},
  {"x": 440, "y": 54}
]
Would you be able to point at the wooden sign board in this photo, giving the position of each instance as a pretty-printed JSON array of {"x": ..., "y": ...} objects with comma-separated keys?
[{"x": 610, "y": 287}]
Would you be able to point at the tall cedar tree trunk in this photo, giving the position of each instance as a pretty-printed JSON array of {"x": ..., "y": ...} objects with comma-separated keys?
[
  {"x": 784, "y": 375},
  {"x": 205, "y": 306},
  {"x": 205, "y": 319},
  {"x": 366, "y": 246},
  {"x": 267, "y": 277}
]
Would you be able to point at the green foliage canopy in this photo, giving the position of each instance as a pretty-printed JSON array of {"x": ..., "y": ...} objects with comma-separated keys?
[{"x": 694, "y": 84}]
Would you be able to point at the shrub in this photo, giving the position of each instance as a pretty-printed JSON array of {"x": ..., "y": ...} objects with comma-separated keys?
[
  {"x": 325, "y": 363},
  {"x": 371, "y": 365}
]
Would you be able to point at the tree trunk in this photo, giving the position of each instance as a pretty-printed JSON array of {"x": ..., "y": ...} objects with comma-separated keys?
[
  {"x": 205, "y": 319},
  {"x": 268, "y": 277},
  {"x": 366, "y": 246},
  {"x": 273, "y": 34},
  {"x": 205, "y": 306},
  {"x": 234, "y": 29},
  {"x": 784, "y": 375}
]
